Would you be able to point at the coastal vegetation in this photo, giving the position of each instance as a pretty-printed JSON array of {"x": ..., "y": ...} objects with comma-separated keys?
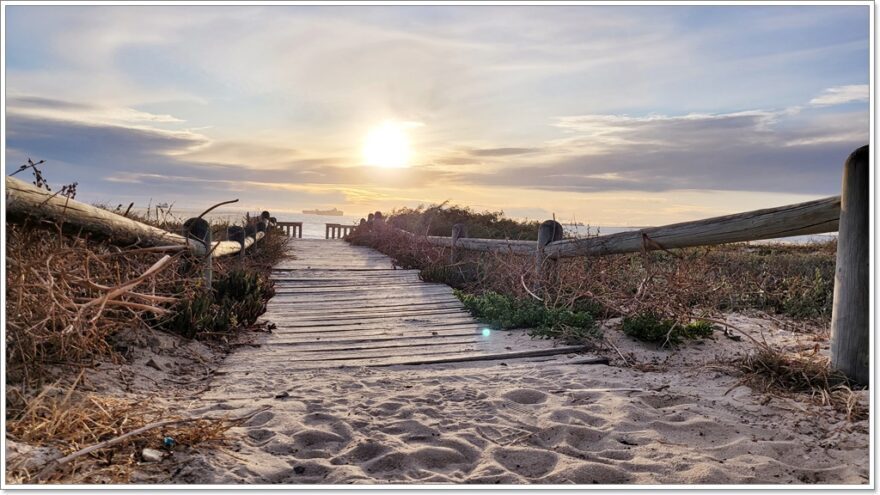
[
  {"x": 665, "y": 298},
  {"x": 77, "y": 302}
]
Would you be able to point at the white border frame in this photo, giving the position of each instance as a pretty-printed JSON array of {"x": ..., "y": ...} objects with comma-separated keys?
[{"x": 873, "y": 177}]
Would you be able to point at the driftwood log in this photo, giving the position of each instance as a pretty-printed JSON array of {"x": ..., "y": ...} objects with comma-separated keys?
[{"x": 26, "y": 200}]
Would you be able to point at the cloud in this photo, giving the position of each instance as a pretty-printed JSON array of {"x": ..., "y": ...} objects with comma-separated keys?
[
  {"x": 91, "y": 144},
  {"x": 135, "y": 157},
  {"x": 52, "y": 108},
  {"x": 604, "y": 133},
  {"x": 502, "y": 151},
  {"x": 754, "y": 150},
  {"x": 839, "y": 95},
  {"x": 579, "y": 98}
]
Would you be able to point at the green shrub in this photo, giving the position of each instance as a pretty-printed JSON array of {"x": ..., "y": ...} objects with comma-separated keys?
[
  {"x": 236, "y": 301},
  {"x": 650, "y": 327},
  {"x": 507, "y": 313}
]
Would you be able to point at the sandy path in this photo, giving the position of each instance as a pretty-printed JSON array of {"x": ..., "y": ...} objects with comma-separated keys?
[{"x": 541, "y": 421}]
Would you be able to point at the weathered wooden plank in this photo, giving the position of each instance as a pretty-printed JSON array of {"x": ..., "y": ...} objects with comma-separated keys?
[
  {"x": 403, "y": 312},
  {"x": 294, "y": 355},
  {"x": 399, "y": 321},
  {"x": 356, "y": 344},
  {"x": 293, "y": 308},
  {"x": 409, "y": 360},
  {"x": 377, "y": 298},
  {"x": 320, "y": 275},
  {"x": 372, "y": 333},
  {"x": 335, "y": 309},
  {"x": 401, "y": 282},
  {"x": 367, "y": 289}
]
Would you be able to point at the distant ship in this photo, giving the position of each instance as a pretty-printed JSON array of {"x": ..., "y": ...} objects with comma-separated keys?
[{"x": 333, "y": 213}]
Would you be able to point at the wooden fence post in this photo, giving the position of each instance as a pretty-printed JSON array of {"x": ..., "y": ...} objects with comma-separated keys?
[
  {"x": 850, "y": 329},
  {"x": 199, "y": 230},
  {"x": 549, "y": 231},
  {"x": 236, "y": 234},
  {"x": 458, "y": 231}
]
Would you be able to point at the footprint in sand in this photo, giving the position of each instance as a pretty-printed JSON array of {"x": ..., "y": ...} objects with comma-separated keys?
[
  {"x": 531, "y": 463},
  {"x": 586, "y": 473},
  {"x": 260, "y": 435},
  {"x": 580, "y": 437},
  {"x": 306, "y": 472},
  {"x": 526, "y": 396},
  {"x": 576, "y": 416},
  {"x": 318, "y": 440},
  {"x": 393, "y": 461},
  {"x": 437, "y": 458},
  {"x": 260, "y": 419},
  {"x": 362, "y": 452},
  {"x": 410, "y": 430}
]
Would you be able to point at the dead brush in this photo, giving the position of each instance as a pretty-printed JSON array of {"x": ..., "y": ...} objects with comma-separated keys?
[
  {"x": 65, "y": 295},
  {"x": 70, "y": 421},
  {"x": 778, "y": 372}
]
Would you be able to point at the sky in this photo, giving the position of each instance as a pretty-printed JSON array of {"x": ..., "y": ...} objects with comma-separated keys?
[{"x": 608, "y": 115}]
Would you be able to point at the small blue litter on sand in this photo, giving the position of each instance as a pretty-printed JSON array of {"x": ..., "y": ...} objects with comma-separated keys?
[{"x": 169, "y": 442}]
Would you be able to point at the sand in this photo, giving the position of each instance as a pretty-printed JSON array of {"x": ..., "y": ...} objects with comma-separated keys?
[{"x": 538, "y": 421}]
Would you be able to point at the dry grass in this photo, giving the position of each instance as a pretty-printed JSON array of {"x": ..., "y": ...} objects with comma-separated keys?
[
  {"x": 777, "y": 372},
  {"x": 795, "y": 281},
  {"x": 682, "y": 285},
  {"x": 67, "y": 297},
  {"x": 68, "y": 420},
  {"x": 62, "y": 305},
  {"x": 55, "y": 298}
]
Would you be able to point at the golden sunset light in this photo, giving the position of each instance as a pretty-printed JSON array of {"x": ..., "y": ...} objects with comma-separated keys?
[
  {"x": 590, "y": 243},
  {"x": 387, "y": 146}
]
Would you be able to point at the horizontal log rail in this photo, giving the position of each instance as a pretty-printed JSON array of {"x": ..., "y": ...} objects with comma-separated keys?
[
  {"x": 813, "y": 217},
  {"x": 27, "y": 200}
]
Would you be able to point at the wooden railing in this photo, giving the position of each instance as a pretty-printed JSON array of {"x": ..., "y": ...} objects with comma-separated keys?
[
  {"x": 813, "y": 217},
  {"x": 846, "y": 214},
  {"x": 337, "y": 230},
  {"x": 26, "y": 200},
  {"x": 292, "y": 229}
]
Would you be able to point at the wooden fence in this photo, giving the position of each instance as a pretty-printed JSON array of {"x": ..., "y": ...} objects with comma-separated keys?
[
  {"x": 26, "y": 200},
  {"x": 846, "y": 214},
  {"x": 292, "y": 229},
  {"x": 337, "y": 230}
]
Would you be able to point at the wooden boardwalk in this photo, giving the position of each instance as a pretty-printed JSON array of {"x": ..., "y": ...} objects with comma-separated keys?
[{"x": 338, "y": 305}]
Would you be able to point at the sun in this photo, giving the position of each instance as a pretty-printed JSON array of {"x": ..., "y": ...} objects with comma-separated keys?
[{"x": 387, "y": 146}]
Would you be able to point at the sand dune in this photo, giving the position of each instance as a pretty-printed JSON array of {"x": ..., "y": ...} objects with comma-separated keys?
[{"x": 543, "y": 421}]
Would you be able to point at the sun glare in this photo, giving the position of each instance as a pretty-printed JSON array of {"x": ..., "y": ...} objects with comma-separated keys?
[{"x": 387, "y": 146}]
